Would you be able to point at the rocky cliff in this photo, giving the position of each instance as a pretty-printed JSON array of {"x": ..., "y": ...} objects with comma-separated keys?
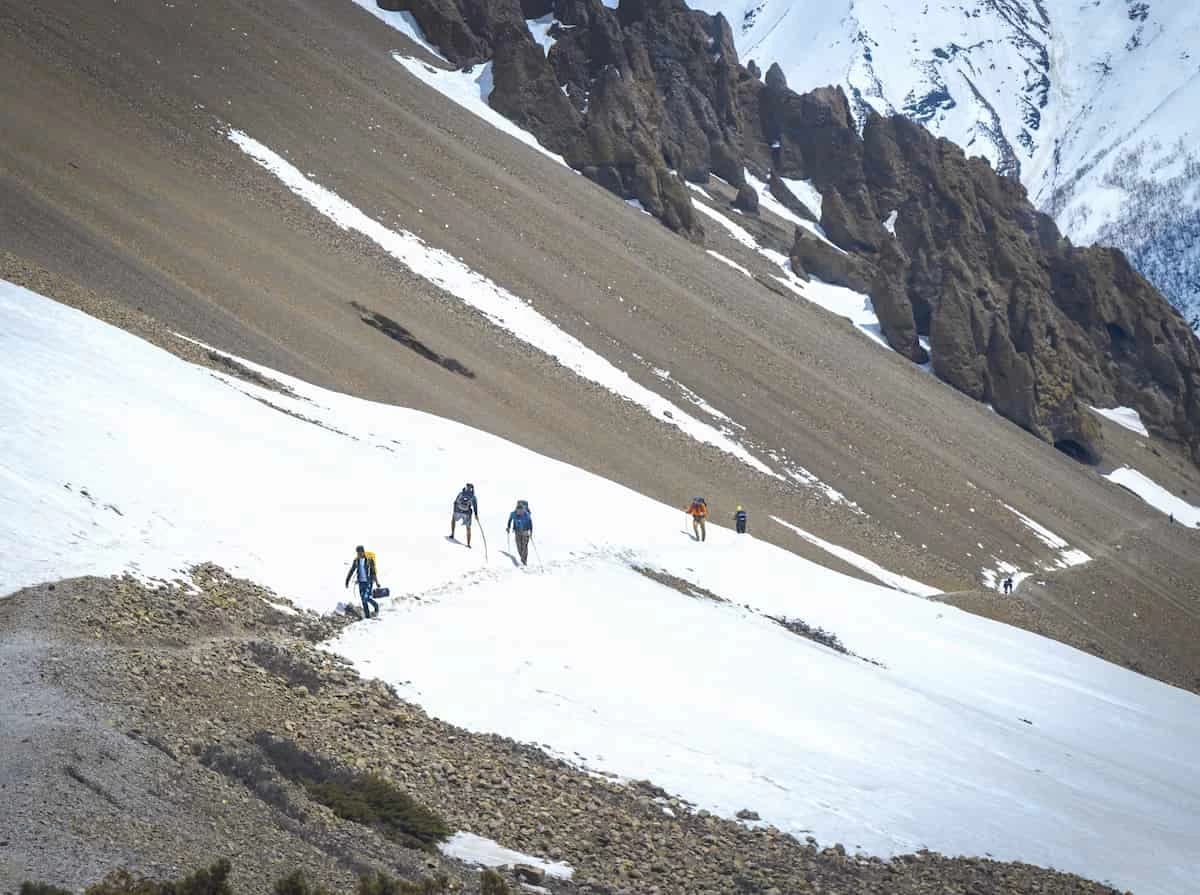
[{"x": 646, "y": 95}]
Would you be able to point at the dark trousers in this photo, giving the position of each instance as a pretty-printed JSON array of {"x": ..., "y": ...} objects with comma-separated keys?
[
  {"x": 364, "y": 591},
  {"x": 523, "y": 545},
  {"x": 741, "y": 526}
]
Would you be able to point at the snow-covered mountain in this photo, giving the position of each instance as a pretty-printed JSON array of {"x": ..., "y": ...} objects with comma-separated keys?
[
  {"x": 627, "y": 649},
  {"x": 1094, "y": 105}
]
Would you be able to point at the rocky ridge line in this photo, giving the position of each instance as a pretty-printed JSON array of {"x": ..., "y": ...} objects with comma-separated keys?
[{"x": 641, "y": 97}]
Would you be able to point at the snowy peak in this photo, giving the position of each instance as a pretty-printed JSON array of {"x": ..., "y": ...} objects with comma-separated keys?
[
  {"x": 1092, "y": 104},
  {"x": 980, "y": 70}
]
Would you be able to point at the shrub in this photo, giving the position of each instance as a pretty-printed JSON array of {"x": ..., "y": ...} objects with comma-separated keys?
[
  {"x": 212, "y": 880},
  {"x": 382, "y": 884},
  {"x": 367, "y": 799},
  {"x": 28, "y": 888},
  {"x": 250, "y": 768},
  {"x": 295, "y": 883}
]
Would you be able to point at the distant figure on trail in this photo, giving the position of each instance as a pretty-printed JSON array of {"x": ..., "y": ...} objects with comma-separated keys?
[
  {"x": 698, "y": 510},
  {"x": 362, "y": 569},
  {"x": 520, "y": 521},
  {"x": 739, "y": 521},
  {"x": 465, "y": 506},
  {"x": 1008, "y": 585}
]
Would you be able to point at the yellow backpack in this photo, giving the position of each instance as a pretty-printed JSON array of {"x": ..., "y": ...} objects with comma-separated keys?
[{"x": 370, "y": 554}]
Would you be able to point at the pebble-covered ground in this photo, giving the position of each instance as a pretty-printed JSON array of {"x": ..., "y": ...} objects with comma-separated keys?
[{"x": 117, "y": 697}]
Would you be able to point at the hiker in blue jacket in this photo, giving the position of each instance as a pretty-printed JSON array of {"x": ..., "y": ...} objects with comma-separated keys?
[
  {"x": 465, "y": 507},
  {"x": 362, "y": 569},
  {"x": 520, "y": 521}
]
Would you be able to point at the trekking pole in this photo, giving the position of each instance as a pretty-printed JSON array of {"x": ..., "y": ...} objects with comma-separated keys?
[
  {"x": 537, "y": 553},
  {"x": 483, "y": 534}
]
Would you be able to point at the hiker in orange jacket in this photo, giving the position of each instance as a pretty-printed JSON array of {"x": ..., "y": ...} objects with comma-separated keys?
[{"x": 698, "y": 510}]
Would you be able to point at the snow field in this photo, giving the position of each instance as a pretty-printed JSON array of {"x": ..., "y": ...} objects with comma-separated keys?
[{"x": 967, "y": 737}]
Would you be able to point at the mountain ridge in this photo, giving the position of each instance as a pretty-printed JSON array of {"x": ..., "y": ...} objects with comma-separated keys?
[
  {"x": 1048, "y": 90},
  {"x": 635, "y": 95}
]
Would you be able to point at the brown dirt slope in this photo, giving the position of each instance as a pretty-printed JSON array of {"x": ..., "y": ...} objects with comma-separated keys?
[{"x": 117, "y": 180}]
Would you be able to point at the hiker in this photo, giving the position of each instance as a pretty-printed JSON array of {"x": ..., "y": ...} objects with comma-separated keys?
[
  {"x": 520, "y": 521},
  {"x": 465, "y": 506},
  {"x": 698, "y": 510},
  {"x": 362, "y": 569},
  {"x": 739, "y": 521},
  {"x": 1008, "y": 585}
]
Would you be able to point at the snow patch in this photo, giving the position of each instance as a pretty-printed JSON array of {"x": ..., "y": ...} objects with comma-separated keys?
[
  {"x": 470, "y": 89},
  {"x": 730, "y": 262},
  {"x": 808, "y": 194},
  {"x": 405, "y": 23},
  {"x": 1126, "y": 417},
  {"x": 1156, "y": 495},
  {"x": 767, "y": 201},
  {"x": 540, "y": 29},
  {"x": 1067, "y": 555},
  {"x": 860, "y": 562},
  {"x": 483, "y": 852},
  {"x": 993, "y": 577},
  {"x": 497, "y": 304},
  {"x": 890, "y": 223},
  {"x": 739, "y": 233}
]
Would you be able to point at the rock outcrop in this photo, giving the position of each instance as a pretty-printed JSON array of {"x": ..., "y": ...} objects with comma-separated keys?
[
  {"x": 1015, "y": 316},
  {"x": 647, "y": 95}
]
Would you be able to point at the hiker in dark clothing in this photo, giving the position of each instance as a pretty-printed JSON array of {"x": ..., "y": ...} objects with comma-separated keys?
[
  {"x": 362, "y": 569},
  {"x": 520, "y": 521},
  {"x": 739, "y": 521},
  {"x": 465, "y": 506},
  {"x": 1008, "y": 586}
]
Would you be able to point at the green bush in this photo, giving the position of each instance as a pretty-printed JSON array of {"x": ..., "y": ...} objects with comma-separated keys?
[
  {"x": 42, "y": 889},
  {"x": 370, "y": 800},
  {"x": 382, "y": 884},
  {"x": 212, "y": 880},
  {"x": 295, "y": 883},
  {"x": 367, "y": 799}
]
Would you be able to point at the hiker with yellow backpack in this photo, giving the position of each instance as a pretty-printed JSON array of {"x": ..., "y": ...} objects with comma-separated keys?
[{"x": 362, "y": 569}]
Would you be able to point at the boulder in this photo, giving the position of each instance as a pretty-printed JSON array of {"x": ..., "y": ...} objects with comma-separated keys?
[
  {"x": 746, "y": 199},
  {"x": 529, "y": 874}
]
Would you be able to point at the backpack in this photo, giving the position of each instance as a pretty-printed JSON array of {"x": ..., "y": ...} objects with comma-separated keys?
[
  {"x": 370, "y": 554},
  {"x": 523, "y": 505},
  {"x": 462, "y": 503}
]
